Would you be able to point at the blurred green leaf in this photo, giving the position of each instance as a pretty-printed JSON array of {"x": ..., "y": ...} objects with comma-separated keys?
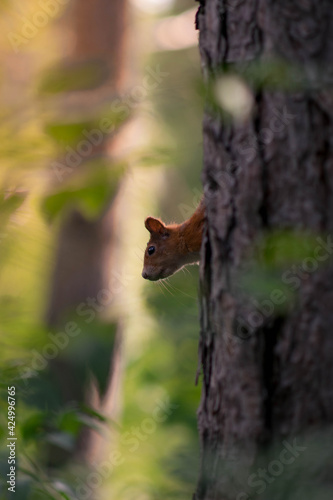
[
  {"x": 263, "y": 284},
  {"x": 90, "y": 128},
  {"x": 9, "y": 205},
  {"x": 69, "y": 422},
  {"x": 113, "y": 115},
  {"x": 273, "y": 73},
  {"x": 29, "y": 473},
  {"x": 33, "y": 427},
  {"x": 280, "y": 248},
  {"x": 44, "y": 494},
  {"x": 276, "y": 253},
  {"x": 89, "y": 191},
  {"x": 76, "y": 76},
  {"x": 155, "y": 156},
  {"x": 93, "y": 413},
  {"x": 64, "y": 495},
  {"x": 67, "y": 133}
]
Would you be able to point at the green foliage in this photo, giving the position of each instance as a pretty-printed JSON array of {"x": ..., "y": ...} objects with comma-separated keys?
[
  {"x": 159, "y": 397},
  {"x": 9, "y": 205},
  {"x": 88, "y": 192},
  {"x": 68, "y": 133},
  {"x": 31, "y": 139},
  {"x": 85, "y": 75},
  {"x": 279, "y": 249},
  {"x": 159, "y": 323},
  {"x": 259, "y": 284},
  {"x": 281, "y": 260}
]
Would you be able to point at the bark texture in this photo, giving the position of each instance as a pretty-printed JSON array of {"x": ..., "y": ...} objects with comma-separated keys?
[{"x": 270, "y": 379}]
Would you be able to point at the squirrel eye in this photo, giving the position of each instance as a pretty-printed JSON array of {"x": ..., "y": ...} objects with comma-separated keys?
[{"x": 151, "y": 250}]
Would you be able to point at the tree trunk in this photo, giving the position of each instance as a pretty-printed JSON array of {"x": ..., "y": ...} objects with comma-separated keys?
[
  {"x": 267, "y": 374},
  {"x": 86, "y": 249}
]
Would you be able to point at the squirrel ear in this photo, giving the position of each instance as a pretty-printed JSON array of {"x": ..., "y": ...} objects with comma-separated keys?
[{"x": 155, "y": 226}]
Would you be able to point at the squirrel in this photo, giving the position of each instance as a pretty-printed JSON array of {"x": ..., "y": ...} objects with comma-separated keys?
[{"x": 172, "y": 246}]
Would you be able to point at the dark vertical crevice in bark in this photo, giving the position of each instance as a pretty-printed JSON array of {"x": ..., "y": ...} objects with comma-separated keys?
[
  {"x": 206, "y": 337},
  {"x": 227, "y": 139},
  {"x": 263, "y": 209},
  {"x": 319, "y": 119},
  {"x": 223, "y": 50},
  {"x": 259, "y": 34},
  {"x": 269, "y": 338}
]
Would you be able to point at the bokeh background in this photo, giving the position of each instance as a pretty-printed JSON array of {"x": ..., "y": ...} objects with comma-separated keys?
[{"x": 105, "y": 380}]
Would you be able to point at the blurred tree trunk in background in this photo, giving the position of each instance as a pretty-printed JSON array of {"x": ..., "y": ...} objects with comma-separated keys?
[
  {"x": 266, "y": 377},
  {"x": 86, "y": 248}
]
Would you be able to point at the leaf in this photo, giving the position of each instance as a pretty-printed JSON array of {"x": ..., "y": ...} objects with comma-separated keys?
[
  {"x": 71, "y": 421},
  {"x": 33, "y": 427},
  {"x": 64, "y": 495},
  {"x": 274, "y": 74},
  {"x": 88, "y": 191},
  {"x": 75, "y": 76},
  {"x": 92, "y": 412},
  {"x": 9, "y": 205},
  {"x": 280, "y": 248},
  {"x": 45, "y": 493},
  {"x": 156, "y": 156},
  {"x": 29, "y": 473},
  {"x": 263, "y": 284},
  {"x": 67, "y": 134}
]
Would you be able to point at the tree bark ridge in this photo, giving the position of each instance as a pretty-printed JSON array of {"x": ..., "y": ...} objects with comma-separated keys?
[{"x": 264, "y": 381}]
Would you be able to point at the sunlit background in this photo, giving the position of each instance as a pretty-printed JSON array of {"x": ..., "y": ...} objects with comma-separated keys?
[
  {"x": 101, "y": 126},
  {"x": 148, "y": 447}
]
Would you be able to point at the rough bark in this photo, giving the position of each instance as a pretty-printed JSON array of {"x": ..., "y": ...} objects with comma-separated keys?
[{"x": 276, "y": 383}]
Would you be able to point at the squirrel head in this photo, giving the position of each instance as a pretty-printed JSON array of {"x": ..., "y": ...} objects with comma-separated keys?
[{"x": 163, "y": 255}]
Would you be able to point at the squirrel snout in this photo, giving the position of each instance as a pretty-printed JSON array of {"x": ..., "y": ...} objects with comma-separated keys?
[{"x": 144, "y": 275}]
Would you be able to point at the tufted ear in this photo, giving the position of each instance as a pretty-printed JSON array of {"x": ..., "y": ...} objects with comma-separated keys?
[{"x": 156, "y": 226}]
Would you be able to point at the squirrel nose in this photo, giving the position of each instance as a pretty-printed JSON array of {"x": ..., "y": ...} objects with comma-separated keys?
[{"x": 144, "y": 275}]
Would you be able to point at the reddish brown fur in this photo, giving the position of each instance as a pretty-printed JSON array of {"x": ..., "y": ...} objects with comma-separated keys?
[{"x": 176, "y": 245}]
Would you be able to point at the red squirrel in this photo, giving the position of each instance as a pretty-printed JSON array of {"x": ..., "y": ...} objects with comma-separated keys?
[{"x": 173, "y": 246}]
